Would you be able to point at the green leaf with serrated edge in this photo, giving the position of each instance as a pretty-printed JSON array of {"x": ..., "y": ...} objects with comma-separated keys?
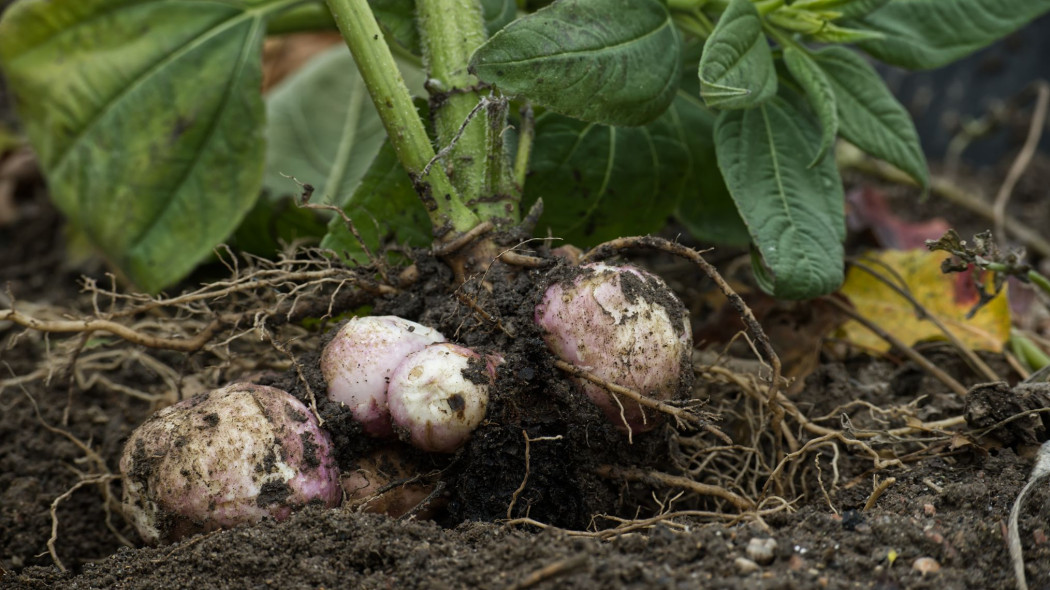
[
  {"x": 924, "y": 34},
  {"x": 848, "y": 8},
  {"x": 869, "y": 116},
  {"x": 384, "y": 209},
  {"x": 736, "y": 70},
  {"x": 147, "y": 120},
  {"x": 599, "y": 182},
  {"x": 607, "y": 61},
  {"x": 323, "y": 129},
  {"x": 819, "y": 93},
  {"x": 795, "y": 214}
]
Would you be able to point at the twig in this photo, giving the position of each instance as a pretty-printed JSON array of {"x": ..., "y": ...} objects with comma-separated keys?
[
  {"x": 908, "y": 351},
  {"x": 674, "y": 481},
  {"x": 547, "y": 572},
  {"x": 524, "y": 480},
  {"x": 119, "y": 330},
  {"x": 924, "y": 314},
  {"x": 97, "y": 479},
  {"x": 1039, "y": 472},
  {"x": 1023, "y": 159},
  {"x": 680, "y": 414},
  {"x": 446, "y": 248},
  {"x": 877, "y": 492}
]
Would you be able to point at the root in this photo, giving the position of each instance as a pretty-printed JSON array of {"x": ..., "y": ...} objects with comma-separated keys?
[{"x": 681, "y": 415}]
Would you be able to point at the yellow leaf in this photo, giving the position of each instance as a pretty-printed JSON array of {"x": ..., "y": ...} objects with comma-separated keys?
[{"x": 949, "y": 297}]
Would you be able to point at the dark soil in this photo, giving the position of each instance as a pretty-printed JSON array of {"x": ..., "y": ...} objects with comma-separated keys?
[{"x": 949, "y": 500}]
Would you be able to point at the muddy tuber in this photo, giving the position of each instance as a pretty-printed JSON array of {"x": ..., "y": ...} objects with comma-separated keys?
[
  {"x": 625, "y": 326},
  {"x": 359, "y": 360},
  {"x": 232, "y": 456},
  {"x": 438, "y": 396}
]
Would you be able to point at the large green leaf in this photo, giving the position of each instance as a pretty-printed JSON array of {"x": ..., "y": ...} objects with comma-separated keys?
[
  {"x": 869, "y": 115},
  {"x": 794, "y": 213},
  {"x": 607, "y": 61},
  {"x": 384, "y": 208},
  {"x": 147, "y": 119},
  {"x": 736, "y": 69},
  {"x": 819, "y": 93},
  {"x": 923, "y": 34},
  {"x": 323, "y": 129},
  {"x": 599, "y": 181}
]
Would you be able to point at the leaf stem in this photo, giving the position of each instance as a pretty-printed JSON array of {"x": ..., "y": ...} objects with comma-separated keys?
[
  {"x": 403, "y": 125},
  {"x": 525, "y": 139},
  {"x": 450, "y": 31}
]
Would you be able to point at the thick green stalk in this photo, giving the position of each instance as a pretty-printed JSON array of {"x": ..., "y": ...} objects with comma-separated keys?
[
  {"x": 450, "y": 31},
  {"x": 394, "y": 103}
]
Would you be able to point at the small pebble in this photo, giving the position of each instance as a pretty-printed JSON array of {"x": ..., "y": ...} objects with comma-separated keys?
[
  {"x": 745, "y": 566},
  {"x": 762, "y": 551},
  {"x": 929, "y": 509},
  {"x": 926, "y": 565}
]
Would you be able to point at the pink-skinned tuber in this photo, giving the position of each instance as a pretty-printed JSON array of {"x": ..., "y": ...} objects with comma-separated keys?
[
  {"x": 233, "y": 456},
  {"x": 438, "y": 396},
  {"x": 625, "y": 326},
  {"x": 359, "y": 360}
]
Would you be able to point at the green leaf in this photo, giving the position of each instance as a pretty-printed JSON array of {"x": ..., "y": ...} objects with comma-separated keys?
[
  {"x": 607, "y": 61},
  {"x": 736, "y": 69},
  {"x": 323, "y": 129},
  {"x": 704, "y": 206},
  {"x": 869, "y": 116},
  {"x": 498, "y": 14},
  {"x": 848, "y": 8},
  {"x": 147, "y": 119},
  {"x": 923, "y": 34},
  {"x": 272, "y": 222},
  {"x": 398, "y": 19},
  {"x": 599, "y": 182},
  {"x": 794, "y": 214},
  {"x": 819, "y": 93},
  {"x": 384, "y": 209}
]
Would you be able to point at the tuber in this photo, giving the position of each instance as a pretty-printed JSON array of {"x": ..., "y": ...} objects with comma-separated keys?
[
  {"x": 438, "y": 396},
  {"x": 388, "y": 482},
  {"x": 625, "y": 326},
  {"x": 358, "y": 361},
  {"x": 232, "y": 456}
]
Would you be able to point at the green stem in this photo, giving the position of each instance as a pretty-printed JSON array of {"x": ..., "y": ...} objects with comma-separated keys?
[
  {"x": 403, "y": 126},
  {"x": 685, "y": 5},
  {"x": 312, "y": 16},
  {"x": 525, "y": 138},
  {"x": 450, "y": 31},
  {"x": 695, "y": 23},
  {"x": 1039, "y": 280}
]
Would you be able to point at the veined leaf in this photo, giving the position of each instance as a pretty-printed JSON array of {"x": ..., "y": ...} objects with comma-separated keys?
[
  {"x": 599, "y": 182},
  {"x": 384, "y": 208},
  {"x": 323, "y": 128},
  {"x": 736, "y": 69},
  {"x": 795, "y": 214},
  {"x": 607, "y": 61},
  {"x": 924, "y": 34},
  {"x": 147, "y": 118},
  {"x": 869, "y": 115},
  {"x": 819, "y": 93}
]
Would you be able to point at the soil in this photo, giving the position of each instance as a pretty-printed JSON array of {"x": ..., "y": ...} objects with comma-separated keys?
[{"x": 547, "y": 494}]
